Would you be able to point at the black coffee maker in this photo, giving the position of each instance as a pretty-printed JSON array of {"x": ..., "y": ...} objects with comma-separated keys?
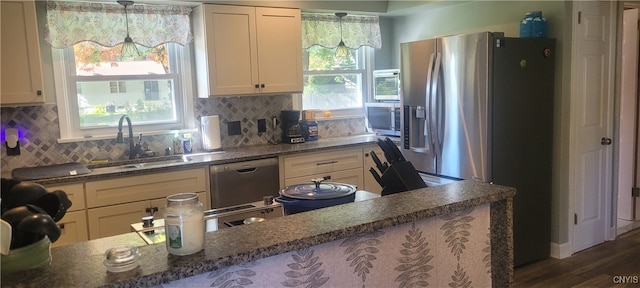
[{"x": 291, "y": 130}]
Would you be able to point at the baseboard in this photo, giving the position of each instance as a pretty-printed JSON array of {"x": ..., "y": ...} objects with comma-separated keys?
[{"x": 560, "y": 251}]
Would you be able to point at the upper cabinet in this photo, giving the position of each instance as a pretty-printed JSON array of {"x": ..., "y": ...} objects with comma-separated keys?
[
  {"x": 21, "y": 73},
  {"x": 247, "y": 50}
]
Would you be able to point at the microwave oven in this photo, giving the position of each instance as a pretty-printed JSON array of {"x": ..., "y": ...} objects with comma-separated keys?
[
  {"x": 383, "y": 118},
  {"x": 386, "y": 85}
]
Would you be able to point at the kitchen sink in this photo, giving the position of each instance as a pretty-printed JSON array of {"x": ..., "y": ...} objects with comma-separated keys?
[{"x": 152, "y": 163}]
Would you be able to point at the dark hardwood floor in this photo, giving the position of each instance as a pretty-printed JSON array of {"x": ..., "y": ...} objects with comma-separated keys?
[{"x": 598, "y": 266}]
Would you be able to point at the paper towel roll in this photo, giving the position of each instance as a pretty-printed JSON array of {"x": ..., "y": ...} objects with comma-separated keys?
[{"x": 210, "y": 129}]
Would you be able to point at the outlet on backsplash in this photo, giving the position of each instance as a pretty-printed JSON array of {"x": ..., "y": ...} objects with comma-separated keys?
[
  {"x": 262, "y": 125},
  {"x": 234, "y": 128}
]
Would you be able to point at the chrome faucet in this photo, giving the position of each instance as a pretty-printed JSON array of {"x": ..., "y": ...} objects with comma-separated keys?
[{"x": 133, "y": 150}]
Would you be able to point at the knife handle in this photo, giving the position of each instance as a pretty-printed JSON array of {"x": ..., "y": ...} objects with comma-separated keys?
[{"x": 376, "y": 176}]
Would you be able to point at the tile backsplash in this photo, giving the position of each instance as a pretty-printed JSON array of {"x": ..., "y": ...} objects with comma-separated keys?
[{"x": 39, "y": 127}]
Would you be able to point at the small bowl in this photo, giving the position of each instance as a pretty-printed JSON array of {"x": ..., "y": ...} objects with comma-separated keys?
[{"x": 121, "y": 258}]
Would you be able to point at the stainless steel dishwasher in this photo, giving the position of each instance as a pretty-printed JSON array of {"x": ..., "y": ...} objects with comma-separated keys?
[{"x": 243, "y": 182}]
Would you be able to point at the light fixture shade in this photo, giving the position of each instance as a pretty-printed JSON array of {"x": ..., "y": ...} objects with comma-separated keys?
[
  {"x": 342, "y": 50},
  {"x": 129, "y": 49}
]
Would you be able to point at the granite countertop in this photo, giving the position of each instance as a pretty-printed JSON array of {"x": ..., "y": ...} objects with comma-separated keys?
[
  {"x": 228, "y": 155},
  {"x": 80, "y": 265}
]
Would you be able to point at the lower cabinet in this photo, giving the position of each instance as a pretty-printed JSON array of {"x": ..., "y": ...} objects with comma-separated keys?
[
  {"x": 114, "y": 204},
  {"x": 336, "y": 165},
  {"x": 73, "y": 225},
  {"x": 116, "y": 219},
  {"x": 73, "y": 228},
  {"x": 349, "y": 176}
]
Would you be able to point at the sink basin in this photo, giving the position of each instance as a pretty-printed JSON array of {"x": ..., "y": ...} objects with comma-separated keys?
[{"x": 152, "y": 163}]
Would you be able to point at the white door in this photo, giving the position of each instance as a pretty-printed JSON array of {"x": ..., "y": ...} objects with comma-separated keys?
[
  {"x": 592, "y": 121},
  {"x": 628, "y": 114}
]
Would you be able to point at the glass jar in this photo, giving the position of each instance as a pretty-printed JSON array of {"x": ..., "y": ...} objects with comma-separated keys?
[{"x": 184, "y": 224}]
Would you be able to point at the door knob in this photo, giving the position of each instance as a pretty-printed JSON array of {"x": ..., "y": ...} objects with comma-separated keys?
[{"x": 605, "y": 141}]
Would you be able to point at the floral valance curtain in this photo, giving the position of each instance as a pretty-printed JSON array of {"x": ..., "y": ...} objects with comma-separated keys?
[
  {"x": 149, "y": 25},
  {"x": 324, "y": 30}
]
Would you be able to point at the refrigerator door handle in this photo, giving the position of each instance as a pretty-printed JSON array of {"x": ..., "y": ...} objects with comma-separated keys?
[
  {"x": 426, "y": 143},
  {"x": 434, "y": 108},
  {"x": 428, "y": 120}
]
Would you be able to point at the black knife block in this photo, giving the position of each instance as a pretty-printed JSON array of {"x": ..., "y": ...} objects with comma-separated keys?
[{"x": 400, "y": 177}]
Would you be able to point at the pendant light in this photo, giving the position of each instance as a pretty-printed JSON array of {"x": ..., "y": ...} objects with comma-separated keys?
[
  {"x": 341, "y": 50},
  {"x": 129, "y": 49}
]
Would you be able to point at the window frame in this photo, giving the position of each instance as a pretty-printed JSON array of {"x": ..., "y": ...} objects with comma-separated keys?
[
  {"x": 68, "y": 110},
  {"x": 346, "y": 113}
]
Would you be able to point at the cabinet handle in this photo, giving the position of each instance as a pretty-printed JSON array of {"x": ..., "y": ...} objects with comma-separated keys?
[
  {"x": 257, "y": 86},
  {"x": 325, "y": 163},
  {"x": 262, "y": 85},
  {"x": 61, "y": 226}
]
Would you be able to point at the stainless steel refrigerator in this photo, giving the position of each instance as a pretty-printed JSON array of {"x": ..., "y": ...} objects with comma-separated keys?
[{"x": 480, "y": 106}]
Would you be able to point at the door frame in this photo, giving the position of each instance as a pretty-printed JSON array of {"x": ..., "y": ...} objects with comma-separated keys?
[{"x": 618, "y": 100}]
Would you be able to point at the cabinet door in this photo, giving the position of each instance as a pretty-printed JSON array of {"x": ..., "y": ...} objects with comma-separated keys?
[
  {"x": 322, "y": 162},
  {"x": 279, "y": 49},
  {"x": 145, "y": 187},
  {"x": 370, "y": 183},
  {"x": 115, "y": 219},
  {"x": 230, "y": 47},
  {"x": 21, "y": 81},
  {"x": 75, "y": 193},
  {"x": 351, "y": 176},
  {"x": 73, "y": 227}
]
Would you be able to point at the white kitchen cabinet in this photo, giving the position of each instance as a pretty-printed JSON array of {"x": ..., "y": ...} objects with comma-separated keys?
[
  {"x": 243, "y": 50},
  {"x": 21, "y": 72},
  {"x": 73, "y": 228},
  {"x": 342, "y": 166},
  {"x": 350, "y": 176},
  {"x": 116, "y": 219},
  {"x": 113, "y": 204},
  {"x": 370, "y": 183},
  {"x": 73, "y": 225}
]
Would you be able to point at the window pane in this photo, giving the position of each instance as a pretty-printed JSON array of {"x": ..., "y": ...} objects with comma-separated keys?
[
  {"x": 336, "y": 91},
  {"x": 97, "y": 108},
  {"x": 332, "y": 82},
  {"x": 109, "y": 86}
]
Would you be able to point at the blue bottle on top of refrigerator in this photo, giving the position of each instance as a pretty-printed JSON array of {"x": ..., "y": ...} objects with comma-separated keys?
[{"x": 533, "y": 25}]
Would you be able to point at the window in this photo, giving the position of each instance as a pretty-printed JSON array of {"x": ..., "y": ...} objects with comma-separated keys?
[
  {"x": 101, "y": 88},
  {"x": 151, "y": 91},
  {"x": 115, "y": 87},
  {"x": 335, "y": 83}
]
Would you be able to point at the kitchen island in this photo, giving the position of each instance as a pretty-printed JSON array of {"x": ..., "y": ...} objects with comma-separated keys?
[{"x": 473, "y": 220}]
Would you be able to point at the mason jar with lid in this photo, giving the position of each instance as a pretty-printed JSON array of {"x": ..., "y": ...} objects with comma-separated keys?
[{"x": 184, "y": 224}]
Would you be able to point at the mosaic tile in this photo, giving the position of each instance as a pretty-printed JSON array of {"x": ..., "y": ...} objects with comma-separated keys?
[{"x": 39, "y": 146}]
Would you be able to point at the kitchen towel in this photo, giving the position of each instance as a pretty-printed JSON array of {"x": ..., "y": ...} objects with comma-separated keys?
[{"x": 210, "y": 129}]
